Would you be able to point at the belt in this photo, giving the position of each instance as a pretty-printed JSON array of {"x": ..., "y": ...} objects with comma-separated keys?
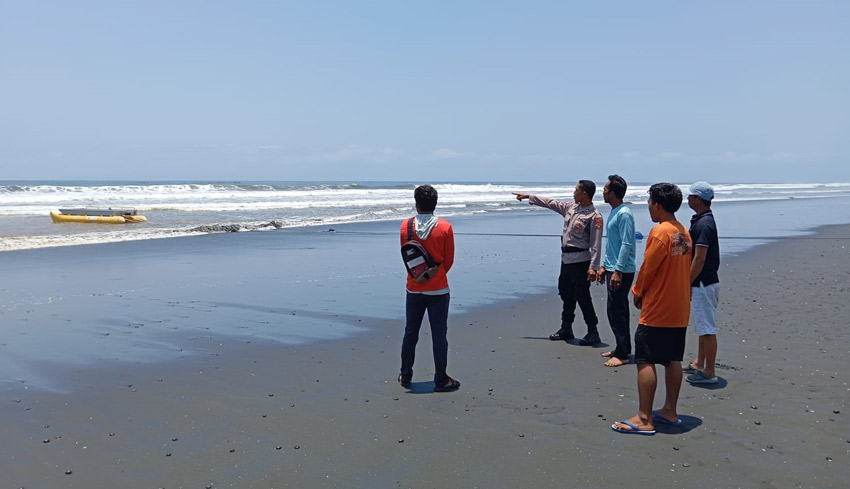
[{"x": 572, "y": 249}]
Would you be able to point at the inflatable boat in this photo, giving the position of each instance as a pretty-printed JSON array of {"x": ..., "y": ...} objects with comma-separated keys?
[{"x": 97, "y": 216}]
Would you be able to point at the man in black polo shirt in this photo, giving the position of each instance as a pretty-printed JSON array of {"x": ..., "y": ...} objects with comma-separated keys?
[{"x": 705, "y": 283}]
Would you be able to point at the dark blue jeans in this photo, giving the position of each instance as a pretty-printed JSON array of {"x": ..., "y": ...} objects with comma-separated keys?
[
  {"x": 573, "y": 288},
  {"x": 438, "y": 315},
  {"x": 618, "y": 314}
]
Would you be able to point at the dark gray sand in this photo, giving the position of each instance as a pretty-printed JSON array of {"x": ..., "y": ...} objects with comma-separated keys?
[{"x": 531, "y": 413}]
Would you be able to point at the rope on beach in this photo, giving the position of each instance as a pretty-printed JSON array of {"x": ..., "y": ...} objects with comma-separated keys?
[{"x": 756, "y": 238}]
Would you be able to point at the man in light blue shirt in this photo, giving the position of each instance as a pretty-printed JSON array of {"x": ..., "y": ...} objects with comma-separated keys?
[{"x": 618, "y": 268}]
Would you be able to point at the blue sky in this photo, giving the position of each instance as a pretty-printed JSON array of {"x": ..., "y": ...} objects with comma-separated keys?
[{"x": 437, "y": 90}]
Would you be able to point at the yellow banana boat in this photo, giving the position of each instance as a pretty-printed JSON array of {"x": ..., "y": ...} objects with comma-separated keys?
[{"x": 97, "y": 216}]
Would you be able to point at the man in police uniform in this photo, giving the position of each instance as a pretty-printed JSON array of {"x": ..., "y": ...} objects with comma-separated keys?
[{"x": 580, "y": 245}]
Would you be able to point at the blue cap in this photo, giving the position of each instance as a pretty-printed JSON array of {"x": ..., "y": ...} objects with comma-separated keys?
[{"x": 703, "y": 190}]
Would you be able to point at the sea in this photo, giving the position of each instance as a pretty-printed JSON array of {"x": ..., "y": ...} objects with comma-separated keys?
[{"x": 185, "y": 208}]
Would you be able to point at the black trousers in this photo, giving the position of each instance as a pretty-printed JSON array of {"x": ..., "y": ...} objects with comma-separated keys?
[
  {"x": 573, "y": 287},
  {"x": 618, "y": 314},
  {"x": 438, "y": 315}
]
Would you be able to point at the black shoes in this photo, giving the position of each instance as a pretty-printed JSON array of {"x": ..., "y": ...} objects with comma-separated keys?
[
  {"x": 451, "y": 385},
  {"x": 590, "y": 340},
  {"x": 561, "y": 335}
]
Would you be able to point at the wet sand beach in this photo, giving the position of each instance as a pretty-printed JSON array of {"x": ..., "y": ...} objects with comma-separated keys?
[{"x": 257, "y": 411}]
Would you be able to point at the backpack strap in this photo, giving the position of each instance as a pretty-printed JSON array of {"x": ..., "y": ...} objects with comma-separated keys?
[{"x": 411, "y": 236}]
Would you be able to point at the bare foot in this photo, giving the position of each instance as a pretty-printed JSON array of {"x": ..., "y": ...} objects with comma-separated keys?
[
  {"x": 635, "y": 420},
  {"x": 671, "y": 418},
  {"x": 607, "y": 354},
  {"x": 616, "y": 362}
]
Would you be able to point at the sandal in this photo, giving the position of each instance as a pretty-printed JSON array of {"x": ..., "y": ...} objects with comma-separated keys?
[
  {"x": 404, "y": 382},
  {"x": 450, "y": 386}
]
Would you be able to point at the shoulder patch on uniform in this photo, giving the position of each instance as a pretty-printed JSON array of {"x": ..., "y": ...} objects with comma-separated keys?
[{"x": 598, "y": 223}]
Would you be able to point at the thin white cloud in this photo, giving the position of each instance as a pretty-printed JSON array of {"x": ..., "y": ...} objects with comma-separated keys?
[
  {"x": 449, "y": 154},
  {"x": 361, "y": 154},
  {"x": 358, "y": 154},
  {"x": 545, "y": 158},
  {"x": 666, "y": 157},
  {"x": 662, "y": 157},
  {"x": 768, "y": 158},
  {"x": 727, "y": 157}
]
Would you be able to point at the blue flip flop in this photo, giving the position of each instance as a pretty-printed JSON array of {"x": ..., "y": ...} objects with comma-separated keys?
[
  {"x": 633, "y": 431},
  {"x": 699, "y": 378},
  {"x": 658, "y": 419}
]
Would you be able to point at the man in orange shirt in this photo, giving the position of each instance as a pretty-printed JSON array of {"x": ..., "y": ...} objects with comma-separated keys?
[
  {"x": 437, "y": 236},
  {"x": 662, "y": 293}
]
